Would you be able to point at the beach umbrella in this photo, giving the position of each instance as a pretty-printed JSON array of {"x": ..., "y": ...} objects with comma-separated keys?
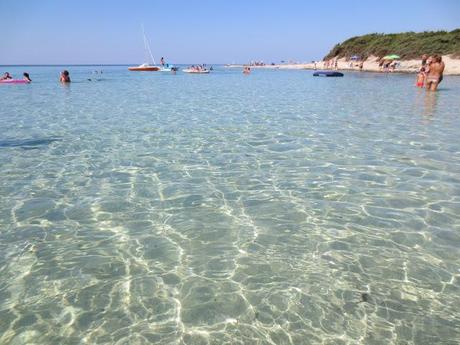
[
  {"x": 391, "y": 57},
  {"x": 355, "y": 57}
]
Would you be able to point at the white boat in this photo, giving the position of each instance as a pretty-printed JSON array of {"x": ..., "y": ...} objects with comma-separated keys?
[
  {"x": 150, "y": 65},
  {"x": 169, "y": 68}
]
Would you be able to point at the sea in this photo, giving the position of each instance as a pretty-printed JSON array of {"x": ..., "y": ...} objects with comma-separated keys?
[{"x": 270, "y": 208}]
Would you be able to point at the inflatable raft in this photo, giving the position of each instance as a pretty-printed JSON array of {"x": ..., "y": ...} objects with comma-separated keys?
[
  {"x": 327, "y": 74},
  {"x": 14, "y": 81},
  {"x": 195, "y": 71}
]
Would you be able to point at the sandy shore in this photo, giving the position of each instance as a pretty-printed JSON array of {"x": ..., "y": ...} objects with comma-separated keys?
[{"x": 370, "y": 65}]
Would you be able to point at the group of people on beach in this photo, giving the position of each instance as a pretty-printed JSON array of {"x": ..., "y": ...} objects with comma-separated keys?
[
  {"x": 431, "y": 72},
  {"x": 388, "y": 65},
  {"x": 331, "y": 64},
  {"x": 257, "y": 63},
  {"x": 334, "y": 64},
  {"x": 7, "y": 76}
]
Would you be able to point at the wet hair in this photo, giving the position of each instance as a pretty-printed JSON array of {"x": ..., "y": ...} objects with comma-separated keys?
[
  {"x": 26, "y": 75},
  {"x": 65, "y": 72}
]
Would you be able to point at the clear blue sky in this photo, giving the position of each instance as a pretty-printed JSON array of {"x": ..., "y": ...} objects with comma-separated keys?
[{"x": 219, "y": 31}]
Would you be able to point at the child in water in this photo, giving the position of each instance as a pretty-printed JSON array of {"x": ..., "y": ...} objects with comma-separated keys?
[{"x": 421, "y": 75}]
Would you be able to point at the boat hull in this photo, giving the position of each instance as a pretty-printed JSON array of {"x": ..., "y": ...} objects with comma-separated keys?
[{"x": 144, "y": 69}]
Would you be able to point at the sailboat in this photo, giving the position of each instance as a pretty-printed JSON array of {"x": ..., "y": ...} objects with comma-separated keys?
[{"x": 146, "y": 66}]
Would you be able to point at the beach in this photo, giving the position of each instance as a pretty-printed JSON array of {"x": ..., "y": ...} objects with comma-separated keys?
[
  {"x": 371, "y": 64},
  {"x": 270, "y": 208}
]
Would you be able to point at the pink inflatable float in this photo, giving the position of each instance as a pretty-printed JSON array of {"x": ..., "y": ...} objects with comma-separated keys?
[{"x": 14, "y": 81}]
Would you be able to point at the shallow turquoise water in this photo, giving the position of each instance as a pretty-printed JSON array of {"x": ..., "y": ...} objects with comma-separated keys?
[{"x": 276, "y": 208}]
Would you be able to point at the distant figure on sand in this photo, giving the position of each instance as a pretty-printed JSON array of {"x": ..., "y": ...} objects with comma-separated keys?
[
  {"x": 434, "y": 74},
  {"x": 26, "y": 77},
  {"x": 65, "y": 77},
  {"x": 393, "y": 66},
  {"x": 361, "y": 65},
  {"x": 6, "y": 76},
  {"x": 386, "y": 65}
]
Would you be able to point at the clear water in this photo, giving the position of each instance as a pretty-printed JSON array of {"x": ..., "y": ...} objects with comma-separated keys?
[{"x": 275, "y": 208}]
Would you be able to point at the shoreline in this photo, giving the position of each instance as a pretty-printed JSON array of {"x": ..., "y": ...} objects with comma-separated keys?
[{"x": 370, "y": 65}]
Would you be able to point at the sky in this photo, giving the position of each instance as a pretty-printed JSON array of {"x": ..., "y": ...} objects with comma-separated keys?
[{"x": 205, "y": 31}]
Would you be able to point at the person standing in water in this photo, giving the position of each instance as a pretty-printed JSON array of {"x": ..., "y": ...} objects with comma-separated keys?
[
  {"x": 443, "y": 66},
  {"x": 162, "y": 61},
  {"x": 435, "y": 73},
  {"x": 65, "y": 77},
  {"x": 420, "y": 80}
]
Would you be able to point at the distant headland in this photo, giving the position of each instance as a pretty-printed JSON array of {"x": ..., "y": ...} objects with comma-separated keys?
[
  {"x": 368, "y": 52},
  {"x": 408, "y": 45}
]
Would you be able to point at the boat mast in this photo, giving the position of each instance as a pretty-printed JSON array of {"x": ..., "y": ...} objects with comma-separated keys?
[{"x": 147, "y": 46}]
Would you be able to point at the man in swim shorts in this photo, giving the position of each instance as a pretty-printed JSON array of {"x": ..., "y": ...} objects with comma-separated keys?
[{"x": 434, "y": 75}]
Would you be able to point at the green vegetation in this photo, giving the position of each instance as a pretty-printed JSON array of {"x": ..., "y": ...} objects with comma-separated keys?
[{"x": 407, "y": 45}]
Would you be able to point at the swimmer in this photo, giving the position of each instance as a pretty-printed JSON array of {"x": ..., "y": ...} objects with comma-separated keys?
[
  {"x": 26, "y": 77},
  {"x": 6, "y": 76},
  {"x": 65, "y": 77}
]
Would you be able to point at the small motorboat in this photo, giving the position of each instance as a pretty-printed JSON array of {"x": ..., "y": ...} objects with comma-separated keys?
[
  {"x": 169, "y": 68},
  {"x": 145, "y": 68},
  {"x": 327, "y": 74},
  {"x": 14, "y": 81}
]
